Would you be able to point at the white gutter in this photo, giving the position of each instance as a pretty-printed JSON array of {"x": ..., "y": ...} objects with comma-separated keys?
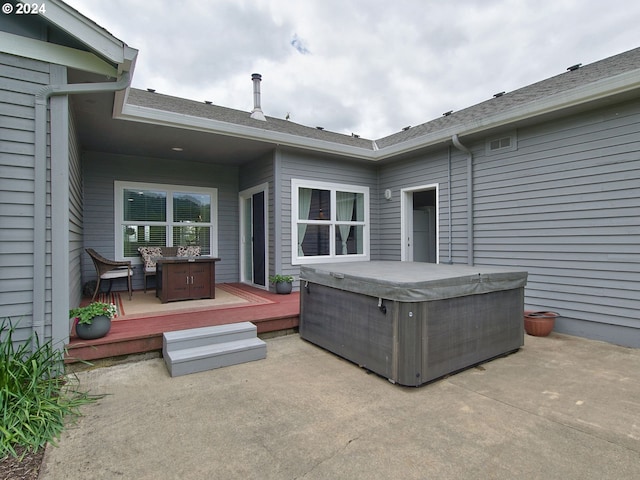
[
  {"x": 623, "y": 83},
  {"x": 461, "y": 147},
  {"x": 52, "y": 53},
  {"x": 136, "y": 113},
  {"x": 40, "y": 186}
]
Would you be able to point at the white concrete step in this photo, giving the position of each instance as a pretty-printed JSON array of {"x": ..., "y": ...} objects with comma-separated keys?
[
  {"x": 208, "y": 357},
  {"x": 197, "y": 337},
  {"x": 199, "y": 349}
]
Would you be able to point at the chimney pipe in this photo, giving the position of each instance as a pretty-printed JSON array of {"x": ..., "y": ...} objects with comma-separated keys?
[{"x": 256, "y": 113}]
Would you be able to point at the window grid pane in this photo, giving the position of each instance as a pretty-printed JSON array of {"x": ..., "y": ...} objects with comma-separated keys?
[
  {"x": 144, "y": 206},
  {"x": 135, "y": 236},
  {"x": 191, "y": 207},
  {"x": 353, "y": 243},
  {"x": 316, "y": 240},
  {"x": 193, "y": 235},
  {"x": 314, "y": 204}
]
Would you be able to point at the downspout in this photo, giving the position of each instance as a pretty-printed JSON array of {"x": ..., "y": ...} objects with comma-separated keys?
[
  {"x": 40, "y": 187},
  {"x": 277, "y": 201},
  {"x": 462, "y": 148},
  {"x": 450, "y": 241}
]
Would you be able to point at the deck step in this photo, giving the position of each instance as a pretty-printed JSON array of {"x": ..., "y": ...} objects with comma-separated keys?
[
  {"x": 199, "y": 349},
  {"x": 197, "y": 337}
]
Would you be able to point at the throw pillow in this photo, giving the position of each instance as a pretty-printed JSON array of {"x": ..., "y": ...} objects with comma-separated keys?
[
  {"x": 189, "y": 251},
  {"x": 149, "y": 255}
]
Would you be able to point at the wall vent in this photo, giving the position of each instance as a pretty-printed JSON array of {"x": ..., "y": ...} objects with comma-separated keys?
[
  {"x": 505, "y": 143},
  {"x": 500, "y": 143}
]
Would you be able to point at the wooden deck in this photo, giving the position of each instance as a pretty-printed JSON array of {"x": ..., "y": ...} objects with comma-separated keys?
[{"x": 141, "y": 335}]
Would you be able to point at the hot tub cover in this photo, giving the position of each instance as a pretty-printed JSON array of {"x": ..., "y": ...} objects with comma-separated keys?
[{"x": 413, "y": 281}]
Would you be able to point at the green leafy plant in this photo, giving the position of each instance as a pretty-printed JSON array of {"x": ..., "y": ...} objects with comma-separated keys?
[
  {"x": 94, "y": 309},
  {"x": 280, "y": 279},
  {"x": 35, "y": 395}
]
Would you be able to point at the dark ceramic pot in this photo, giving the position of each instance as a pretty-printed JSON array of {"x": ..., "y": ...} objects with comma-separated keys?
[
  {"x": 98, "y": 328},
  {"x": 283, "y": 288}
]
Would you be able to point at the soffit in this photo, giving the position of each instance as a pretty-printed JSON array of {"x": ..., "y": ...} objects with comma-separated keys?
[{"x": 98, "y": 131}]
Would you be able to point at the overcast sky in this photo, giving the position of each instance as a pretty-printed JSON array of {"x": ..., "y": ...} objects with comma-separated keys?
[{"x": 369, "y": 67}]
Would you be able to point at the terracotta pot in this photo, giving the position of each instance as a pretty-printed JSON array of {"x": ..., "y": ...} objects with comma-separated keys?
[
  {"x": 98, "y": 328},
  {"x": 539, "y": 324}
]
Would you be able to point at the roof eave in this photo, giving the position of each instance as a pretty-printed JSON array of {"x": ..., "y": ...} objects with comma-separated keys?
[
  {"x": 599, "y": 90},
  {"x": 90, "y": 34},
  {"x": 138, "y": 113}
]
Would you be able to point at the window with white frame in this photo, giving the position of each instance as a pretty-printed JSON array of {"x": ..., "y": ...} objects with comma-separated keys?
[
  {"x": 160, "y": 215},
  {"x": 329, "y": 221}
]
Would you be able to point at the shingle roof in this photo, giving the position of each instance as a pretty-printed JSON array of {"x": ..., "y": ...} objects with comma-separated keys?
[
  {"x": 193, "y": 108},
  {"x": 569, "y": 80},
  {"x": 566, "y": 81}
]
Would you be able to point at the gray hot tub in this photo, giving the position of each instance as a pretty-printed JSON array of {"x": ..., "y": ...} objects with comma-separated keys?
[{"x": 412, "y": 322}]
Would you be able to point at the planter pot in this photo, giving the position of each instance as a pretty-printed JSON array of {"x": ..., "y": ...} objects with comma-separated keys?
[
  {"x": 98, "y": 328},
  {"x": 283, "y": 288},
  {"x": 539, "y": 324}
]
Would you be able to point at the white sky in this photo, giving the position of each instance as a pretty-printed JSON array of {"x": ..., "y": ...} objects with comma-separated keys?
[{"x": 369, "y": 67}]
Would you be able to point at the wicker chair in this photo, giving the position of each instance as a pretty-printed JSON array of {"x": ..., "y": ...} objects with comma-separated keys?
[
  {"x": 149, "y": 256},
  {"x": 110, "y": 269}
]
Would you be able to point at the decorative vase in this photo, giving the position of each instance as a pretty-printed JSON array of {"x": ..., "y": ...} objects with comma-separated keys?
[
  {"x": 98, "y": 328},
  {"x": 539, "y": 324},
  {"x": 283, "y": 288}
]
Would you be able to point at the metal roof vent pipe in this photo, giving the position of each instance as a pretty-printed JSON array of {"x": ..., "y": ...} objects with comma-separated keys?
[{"x": 256, "y": 113}]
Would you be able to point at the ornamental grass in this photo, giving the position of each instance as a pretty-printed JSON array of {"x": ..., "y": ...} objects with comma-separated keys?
[{"x": 36, "y": 397}]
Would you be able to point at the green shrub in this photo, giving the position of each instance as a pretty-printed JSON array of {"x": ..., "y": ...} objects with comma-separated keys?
[
  {"x": 278, "y": 278},
  {"x": 86, "y": 314},
  {"x": 35, "y": 394}
]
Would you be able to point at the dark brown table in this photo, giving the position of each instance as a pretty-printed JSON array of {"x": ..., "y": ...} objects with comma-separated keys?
[{"x": 185, "y": 278}]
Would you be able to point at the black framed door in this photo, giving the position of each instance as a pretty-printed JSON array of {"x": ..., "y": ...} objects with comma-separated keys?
[{"x": 258, "y": 247}]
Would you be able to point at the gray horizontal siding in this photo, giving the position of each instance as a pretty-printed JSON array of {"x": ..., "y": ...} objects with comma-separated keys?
[
  {"x": 256, "y": 173},
  {"x": 75, "y": 215},
  {"x": 309, "y": 167},
  {"x": 20, "y": 79},
  {"x": 100, "y": 172},
  {"x": 426, "y": 169},
  {"x": 565, "y": 206}
]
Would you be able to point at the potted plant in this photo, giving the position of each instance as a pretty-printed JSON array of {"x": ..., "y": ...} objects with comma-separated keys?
[
  {"x": 282, "y": 283},
  {"x": 94, "y": 320}
]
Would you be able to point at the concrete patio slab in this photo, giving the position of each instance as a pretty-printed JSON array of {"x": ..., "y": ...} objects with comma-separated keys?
[{"x": 561, "y": 407}]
